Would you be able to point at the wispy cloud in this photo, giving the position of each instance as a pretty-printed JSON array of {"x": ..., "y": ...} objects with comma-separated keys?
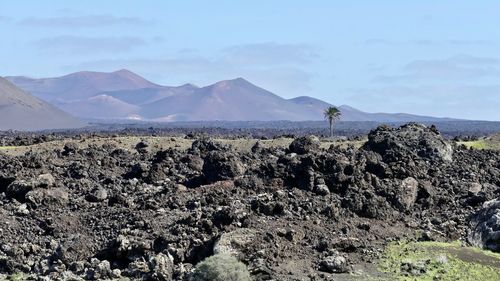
[
  {"x": 460, "y": 67},
  {"x": 174, "y": 65},
  {"x": 88, "y": 21},
  {"x": 454, "y": 42},
  {"x": 429, "y": 42},
  {"x": 270, "y": 53},
  {"x": 4, "y": 18},
  {"x": 85, "y": 45}
]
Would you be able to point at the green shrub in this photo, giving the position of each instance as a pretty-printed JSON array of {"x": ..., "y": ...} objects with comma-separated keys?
[{"x": 221, "y": 267}]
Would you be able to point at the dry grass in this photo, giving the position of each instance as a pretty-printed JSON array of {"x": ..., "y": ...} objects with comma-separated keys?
[
  {"x": 161, "y": 143},
  {"x": 492, "y": 142},
  {"x": 7, "y": 147}
]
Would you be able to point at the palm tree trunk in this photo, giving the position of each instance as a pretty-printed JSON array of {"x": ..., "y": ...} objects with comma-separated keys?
[{"x": 331, "y": 128}]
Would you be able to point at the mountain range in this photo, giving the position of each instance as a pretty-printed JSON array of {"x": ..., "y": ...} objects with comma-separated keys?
[
  {"x": 125, "y": 95},
  {"x": 22, "y": 111}
]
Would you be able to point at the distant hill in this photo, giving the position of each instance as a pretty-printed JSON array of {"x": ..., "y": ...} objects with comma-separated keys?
[
  {"x": 125, "y": 95},
  {"x": 100, "y": 107},
  {"x": 231, "y": 100},
  {"x": 80, "y": 85},
  {"x": 22, "y": 111},
  {"x": 352, "y": 114}
]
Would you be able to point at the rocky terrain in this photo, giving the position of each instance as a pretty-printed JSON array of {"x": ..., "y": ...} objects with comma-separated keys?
[{"x": 94, "y": 209}]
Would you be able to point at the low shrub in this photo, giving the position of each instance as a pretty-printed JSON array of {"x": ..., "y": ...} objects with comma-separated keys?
[{"x": 221, "y": 267}]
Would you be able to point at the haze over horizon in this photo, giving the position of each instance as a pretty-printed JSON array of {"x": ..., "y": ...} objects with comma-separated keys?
[{"x": 419, "y": 57}]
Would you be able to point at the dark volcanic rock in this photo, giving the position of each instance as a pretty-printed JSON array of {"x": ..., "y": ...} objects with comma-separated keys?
[
  {"x": 222, "y": 166},
  {"x": 18, "y": 189},
  {"x": 334, "y": 264},
  {"x": 205, "y": 145},
  {"x": 407, "y": 193},
  {"x": 485, "y": 231},
  {"x": 70, "y": 148},
  {"x": 411, "y": 139},
  {"x": 305, "y": 145},
  {"x": 47, "y": 197},
  {"x": 103, "y": 211},
  {"x": 142, "y": 146}
]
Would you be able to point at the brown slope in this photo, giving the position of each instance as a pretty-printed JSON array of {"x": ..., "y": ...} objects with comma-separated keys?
[
  {"x": 230, "y": 100},
  {"x": 100, "y": 107},
  {"x": 22, "y": 111},
  {"x": 81, "y": 85},
  {"x": 150, "y": 95}
]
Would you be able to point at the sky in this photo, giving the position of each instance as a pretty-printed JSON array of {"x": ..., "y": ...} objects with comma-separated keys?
[{"x": 439, "y": 58}]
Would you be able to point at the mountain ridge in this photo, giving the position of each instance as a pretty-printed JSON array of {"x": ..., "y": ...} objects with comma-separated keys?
[
  {"x": 227, "y": 100},
  {"x": 22, "y": 111},
  {"x": 82, "y": 84}
]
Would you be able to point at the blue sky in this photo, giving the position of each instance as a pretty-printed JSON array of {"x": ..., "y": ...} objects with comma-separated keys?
[{"x": 438, "y": 58}]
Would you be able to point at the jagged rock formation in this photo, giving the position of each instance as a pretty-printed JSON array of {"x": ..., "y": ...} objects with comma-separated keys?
[{"x": 144, "y": 213}]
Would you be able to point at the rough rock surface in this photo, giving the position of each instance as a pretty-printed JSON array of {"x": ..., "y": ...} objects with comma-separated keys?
[
  {"x": 296, "y": 213},
  {"x": 334, "y": 264},
  {"x": 485, "y": 231},
  {"x": 305, "y": 145},
  {"x": 411, "y": 139}
]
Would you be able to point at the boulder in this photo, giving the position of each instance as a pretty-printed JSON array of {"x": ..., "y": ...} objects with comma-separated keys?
[
  {"x": 321, "y": 189},
  {"x": 410, "y": 139},
  {"x": 70, "y": 148},
  {"x": 485, "y": 232},
  {"x": 138, "y": 170},
  {"x": 220, "y": 165},
  {"x": 257, "y": 147},
  {"x": 142, "y": 146},
  {"x": 75, "y": 248},
  {"x": 19, "y": 188},
  {"x": 205, "y": 145},
  {"x": 162, "y": 267},
  {"x": 45, "y": 180},
  {"x": 233, "y": 243},
  {"x": 53, "y": 196},
  {"x": 99, "y": 270},
  {"x": 334, "y": 264},
  {"x": 304, "y": 145},
  {"x": 474, "y": 188},
  {"x": 407, "y": 193},
  {"x": 194, "y": 162},
  {"x": 98, "y": 195}
]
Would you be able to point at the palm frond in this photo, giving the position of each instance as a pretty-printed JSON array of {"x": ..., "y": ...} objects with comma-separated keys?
[{"x": 332, "y": 113}]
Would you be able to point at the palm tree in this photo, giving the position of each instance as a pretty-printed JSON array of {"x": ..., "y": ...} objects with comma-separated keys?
[{"x": 332, "y": 114}]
